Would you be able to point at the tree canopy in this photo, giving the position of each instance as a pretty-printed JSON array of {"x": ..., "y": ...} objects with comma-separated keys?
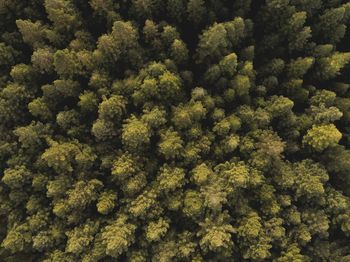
[{"x": 174, "y": 130}]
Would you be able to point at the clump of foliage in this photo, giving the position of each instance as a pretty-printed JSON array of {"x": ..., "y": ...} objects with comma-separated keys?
[{"x": 174, "y": 130}]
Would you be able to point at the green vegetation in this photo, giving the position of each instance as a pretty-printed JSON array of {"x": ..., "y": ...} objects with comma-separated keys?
[{"x": 174, "y": 130}]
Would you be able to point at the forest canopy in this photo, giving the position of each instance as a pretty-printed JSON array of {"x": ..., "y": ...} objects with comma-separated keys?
[{"x": 174, "y": 130}]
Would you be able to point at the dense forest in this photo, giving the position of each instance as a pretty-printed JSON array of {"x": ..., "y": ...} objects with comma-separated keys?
[{"x": 174, "y": 130}]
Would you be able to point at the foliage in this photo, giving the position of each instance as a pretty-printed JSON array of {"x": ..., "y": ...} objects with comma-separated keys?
[{"x": 174, "y": 130}]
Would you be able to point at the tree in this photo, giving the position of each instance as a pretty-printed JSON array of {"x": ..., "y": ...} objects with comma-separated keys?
[
  {"x": 136, "y": 134},
  {"x": 155, "y": 230},
  {"x": 193, "y": 204},
  {"x": 33, "y": 135},
  {"x": 158, "y": 84},
  {"x": 121, "y": 44},
  {"x": 228, "y": 65},
  {"x": 88, "y": 101},
  {"x": 320, "y": 137},
  {"x": 80, "y": 237},
  {"x": 42, "y": 60},
  {"x": 196, "y": 11},
  {"x": 171, "y": 144},
  {"x": 170, "y": 178},
  {"x": 83, "y": 194},
  {"x": 63, "y": 156},
  {"x": 299, "y": 67},
  {"x": 63, "y": 14},
  {"x": 103, "y": 130},
  {"x": 106, "y": 9},
  {"x": 16, "y": 177},
  {"x": 298, "y": 33},
  {"x": 69, "y": 63},
  {"x": 118, "y": 236},
  {"x": 313, "y": 174},
  {"x": 331, "y": 26},
  {"x": 147, "y": 9},
  {"x": 176, "y": 10},
  {"x": 106, "y": 202},
  {"x": 216, "y": 234},
  {"x": 39, "y": 108},
  {"x": 112, "y": 108},
  {"x": 33, "y": 33},
  {"x": 143, "y": 204},
  {"x": 329, "y": 67},
  {"x": 18, "y": 239},
  {"x": 220, "y": 39},
  {"x": 179, "y": 52}
]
